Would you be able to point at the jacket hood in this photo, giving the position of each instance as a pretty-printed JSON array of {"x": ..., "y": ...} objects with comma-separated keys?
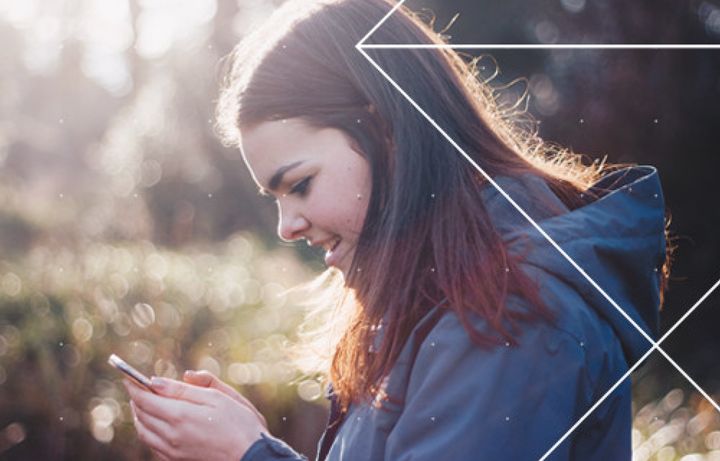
[{"x": 617, "y": 238}]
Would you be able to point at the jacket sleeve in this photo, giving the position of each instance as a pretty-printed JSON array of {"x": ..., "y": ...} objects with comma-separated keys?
[
  {"x": 464, "y": 402},
  {"x": 269, "y": 448}
]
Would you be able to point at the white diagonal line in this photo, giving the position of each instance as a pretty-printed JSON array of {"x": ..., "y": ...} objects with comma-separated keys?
[
  {"x": 635, "y": 366},
  {"x": 690, "y": 311},
  {"x": 360, "y": 46},
  {"x": 380, "y": 23},
  {"x": 507, "y": 197}
]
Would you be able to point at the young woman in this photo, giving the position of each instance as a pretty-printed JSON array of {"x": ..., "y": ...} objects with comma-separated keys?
[{"x": 464, "y": 333}]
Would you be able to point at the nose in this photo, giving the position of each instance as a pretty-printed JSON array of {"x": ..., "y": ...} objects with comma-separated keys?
[{"x": 291, "y": 225}]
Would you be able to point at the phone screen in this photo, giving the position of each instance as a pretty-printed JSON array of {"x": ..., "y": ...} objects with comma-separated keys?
[{"x": 129, "y": 371}]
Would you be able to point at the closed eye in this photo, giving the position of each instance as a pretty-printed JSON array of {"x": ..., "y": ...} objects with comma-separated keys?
[{"x": 301, "y": 188}]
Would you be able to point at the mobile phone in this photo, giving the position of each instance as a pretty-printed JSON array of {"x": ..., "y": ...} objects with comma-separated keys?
[{"x": 130, "y": 372}]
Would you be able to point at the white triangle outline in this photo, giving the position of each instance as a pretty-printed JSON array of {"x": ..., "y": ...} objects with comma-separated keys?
[{"x": 655, "y": 345}]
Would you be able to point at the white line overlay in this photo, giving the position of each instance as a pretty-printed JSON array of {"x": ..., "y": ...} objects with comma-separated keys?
[
  {"x": 558, "y": 46},
  {"x": 655, "y": 345}
]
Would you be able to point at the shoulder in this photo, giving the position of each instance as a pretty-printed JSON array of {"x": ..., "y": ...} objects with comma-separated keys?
[
  {"x": 449, "y": 346},
  {"x": 530, "y": 392},
  {"x": 579, "y": 350}
]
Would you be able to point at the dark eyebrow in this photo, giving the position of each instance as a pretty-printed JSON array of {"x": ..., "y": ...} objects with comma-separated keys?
[{"x": 277, "y": 177}]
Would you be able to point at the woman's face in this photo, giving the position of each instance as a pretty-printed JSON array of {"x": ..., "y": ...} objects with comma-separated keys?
[{"x": 320, "y": 183}]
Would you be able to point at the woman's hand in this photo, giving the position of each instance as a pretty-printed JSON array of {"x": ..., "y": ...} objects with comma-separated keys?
[
  {"x": 206, "y": 379},
  {"x": 184, "y": 421}
]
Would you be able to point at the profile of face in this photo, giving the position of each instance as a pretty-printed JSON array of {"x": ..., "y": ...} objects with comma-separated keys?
[{"x": 320, "y": 183}]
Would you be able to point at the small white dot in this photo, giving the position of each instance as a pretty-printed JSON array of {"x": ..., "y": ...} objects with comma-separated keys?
[
  {"x": 209, "y": 195},
  {"x": 432, "y": 344},
  {"x": 582, "y": 195},
  {"x": 655, "y": 121},
  {"x": 284, "y": 418},
  {"x": 284, "y": 47},
  {"x": 507, "y": 269},
  {"x": 582, "y": 344},
  {"x": 61, "y": 121},
  {"x": 432, "y": 195},
  {"x": 358, "y": 418},
  {"x": 432, "y": 418},
  {"x": 655, "y": 195},
  {"x": 432, "y": 269},
  {"x": 209, "y": 344},
  {"x": 507, "y": 343},
  {"x": 61, "y": 344},
  {"x": 359, "y": 269},
  {"x": 61, "y": 195},
  {"x": 629, "y": 189},
  {"x": 582, "y": 120},
  {"x": 359, "y": 121},
  {"x": 61, "y": 418},
  {"x": 655, "y": 269},
  {"x": 507, "y": 418}
]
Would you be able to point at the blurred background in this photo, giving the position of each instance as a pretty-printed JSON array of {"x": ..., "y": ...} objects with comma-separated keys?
[{"x": 126, "y": 227}]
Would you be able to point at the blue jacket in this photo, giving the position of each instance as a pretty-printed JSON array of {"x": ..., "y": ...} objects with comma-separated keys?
[{"x": 456, "y": 401}]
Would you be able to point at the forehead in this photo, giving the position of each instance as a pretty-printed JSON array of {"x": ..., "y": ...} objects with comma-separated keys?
[
  {"x": 268, "y": 147},
  {"x": 275, "y": 143}
]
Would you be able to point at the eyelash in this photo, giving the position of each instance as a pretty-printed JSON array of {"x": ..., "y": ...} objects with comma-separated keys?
[{"x": 301, "y": 188}]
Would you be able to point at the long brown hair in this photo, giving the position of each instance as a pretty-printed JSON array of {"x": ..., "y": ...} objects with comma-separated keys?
[{"x": 427, "y": 236}]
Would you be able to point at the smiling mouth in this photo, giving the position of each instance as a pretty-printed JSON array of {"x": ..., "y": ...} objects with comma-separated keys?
[{"x": 330, "y": 255}]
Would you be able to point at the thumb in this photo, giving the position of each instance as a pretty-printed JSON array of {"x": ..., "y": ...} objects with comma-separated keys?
[
  {"x": 200, "y": 378},
  {"x": 204, "y": 378}
]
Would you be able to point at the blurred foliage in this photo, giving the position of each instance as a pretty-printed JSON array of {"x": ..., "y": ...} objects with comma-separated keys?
[
  {"x": 680, "y": 426},
  {"x": 63, "y": 312},
  {"x": 125, "y": 227}
]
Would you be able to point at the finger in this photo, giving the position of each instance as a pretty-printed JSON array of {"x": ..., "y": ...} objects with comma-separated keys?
[
  {"x": 148, "y": 437},
  {"x": 179, "y": 390},
  {"x": 206, "y": 379},
  {"x": 154, "y": 424},
  {"x": 164, "y": 408}
]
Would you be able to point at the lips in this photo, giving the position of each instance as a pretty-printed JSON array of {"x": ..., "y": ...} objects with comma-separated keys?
[{"x": 331, "y": 255}]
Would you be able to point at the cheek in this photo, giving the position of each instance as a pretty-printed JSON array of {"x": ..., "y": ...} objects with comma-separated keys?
[
  {"x": 343, "y": 216},
  {"x": 343, "y": 213}
]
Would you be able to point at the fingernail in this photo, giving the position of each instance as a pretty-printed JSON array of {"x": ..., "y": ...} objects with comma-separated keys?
[
  {"x": 189, "y": 373},
  {"x": 158, "y": 383}
]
